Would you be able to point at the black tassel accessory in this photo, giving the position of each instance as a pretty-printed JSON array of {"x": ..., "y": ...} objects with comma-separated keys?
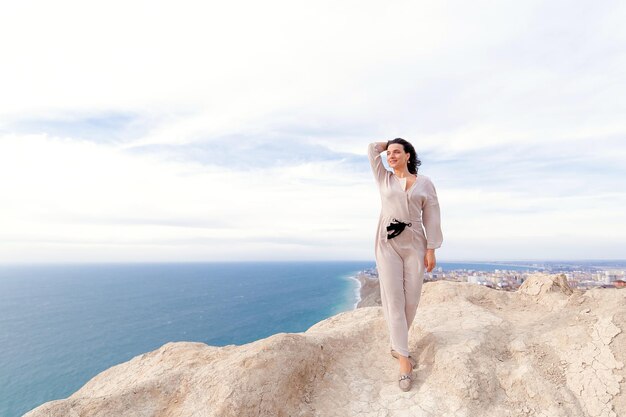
[{"x": 395, "y": 228}]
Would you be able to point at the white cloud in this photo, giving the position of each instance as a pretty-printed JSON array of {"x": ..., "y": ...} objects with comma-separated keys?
[
  {"x": 516, "y": 109},
  {"x": 71, "y": 193}
]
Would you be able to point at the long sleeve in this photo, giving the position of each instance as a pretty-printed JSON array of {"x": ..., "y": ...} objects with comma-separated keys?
[
  {"x": 376, "y": 161},
  {"x": 431, "y": 218}
]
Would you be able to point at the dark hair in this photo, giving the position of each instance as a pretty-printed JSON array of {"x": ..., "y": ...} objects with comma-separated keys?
[{"x": 414, "y": 161}]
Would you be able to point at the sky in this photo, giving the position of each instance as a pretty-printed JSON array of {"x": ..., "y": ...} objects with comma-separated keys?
[{"x": 140, "y": 131}]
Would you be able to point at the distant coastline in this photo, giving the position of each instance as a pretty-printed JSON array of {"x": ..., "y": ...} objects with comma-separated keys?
[
  {"x": 368, "y": 291},
  {"x": 504, "y": 275},
  {"x": 357, "y": 291}
]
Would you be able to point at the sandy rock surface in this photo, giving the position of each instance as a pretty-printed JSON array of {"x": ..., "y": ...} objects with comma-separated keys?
[{"x": 544, "y": 350}]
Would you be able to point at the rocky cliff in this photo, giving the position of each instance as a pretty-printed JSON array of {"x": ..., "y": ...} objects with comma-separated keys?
[{"x": 544, "y": 350}]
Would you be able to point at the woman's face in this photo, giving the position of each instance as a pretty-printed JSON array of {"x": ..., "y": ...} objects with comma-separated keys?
[{"x": 396, "y": 156}]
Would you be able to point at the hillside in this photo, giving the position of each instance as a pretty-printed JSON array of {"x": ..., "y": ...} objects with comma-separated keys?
[{"x": 544, "y": 350}]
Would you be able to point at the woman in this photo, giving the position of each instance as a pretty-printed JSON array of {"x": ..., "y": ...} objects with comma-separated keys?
[{"x": 403, "y": 248}]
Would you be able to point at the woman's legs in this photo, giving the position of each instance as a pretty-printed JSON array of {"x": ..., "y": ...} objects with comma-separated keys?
[
  {"x": 413, "y": 280},
  {"x": 400, "y": 263},
  {"x": 390, "y": 277}
]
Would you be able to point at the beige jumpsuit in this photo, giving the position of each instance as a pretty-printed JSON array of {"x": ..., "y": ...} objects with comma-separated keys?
[{"x": 400, "y": 260}]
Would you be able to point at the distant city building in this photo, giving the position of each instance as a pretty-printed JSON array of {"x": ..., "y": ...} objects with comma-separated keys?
[
  {"x": 582, "y": 277},
  {"x": 611, "y": 275},
  {"x": 477, "y": 279}
]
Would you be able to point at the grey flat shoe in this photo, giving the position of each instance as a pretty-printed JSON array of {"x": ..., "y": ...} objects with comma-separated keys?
[
  {"x": 411, "y": 358},
  {"x": 405, "y": 381}
]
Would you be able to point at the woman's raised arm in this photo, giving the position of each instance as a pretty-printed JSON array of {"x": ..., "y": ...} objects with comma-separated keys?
[{"x": 373, "y": 152}]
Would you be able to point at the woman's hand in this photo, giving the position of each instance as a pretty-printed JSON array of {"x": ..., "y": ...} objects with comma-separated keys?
[{"x": 429, "y": 260}]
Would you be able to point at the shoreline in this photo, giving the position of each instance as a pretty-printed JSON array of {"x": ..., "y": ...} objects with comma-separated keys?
[
  {"x": 357, "y": 291},
  {"x": 367, "y": 293}
]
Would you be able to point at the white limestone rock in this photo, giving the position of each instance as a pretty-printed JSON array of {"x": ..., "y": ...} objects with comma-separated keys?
[{"x": 481, "y": 352}]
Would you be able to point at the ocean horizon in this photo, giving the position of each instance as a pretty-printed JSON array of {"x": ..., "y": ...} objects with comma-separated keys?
[{"x": 62, "y": 324}]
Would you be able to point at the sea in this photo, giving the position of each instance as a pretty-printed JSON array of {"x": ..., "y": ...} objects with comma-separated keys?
[{"x": 62, "y": 324}]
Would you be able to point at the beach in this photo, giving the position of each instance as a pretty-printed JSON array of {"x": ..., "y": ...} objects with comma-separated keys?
[{"x": 369, "y": 290}]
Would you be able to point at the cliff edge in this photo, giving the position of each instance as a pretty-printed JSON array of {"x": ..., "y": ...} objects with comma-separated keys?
[{"x": 544, "y": 350}]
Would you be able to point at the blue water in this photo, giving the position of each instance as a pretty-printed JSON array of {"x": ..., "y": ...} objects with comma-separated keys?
[{"x": 60, "y": 325}]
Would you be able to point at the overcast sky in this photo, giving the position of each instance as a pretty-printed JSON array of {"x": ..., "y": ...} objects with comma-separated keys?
[{"x": 200, "y": 131}]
